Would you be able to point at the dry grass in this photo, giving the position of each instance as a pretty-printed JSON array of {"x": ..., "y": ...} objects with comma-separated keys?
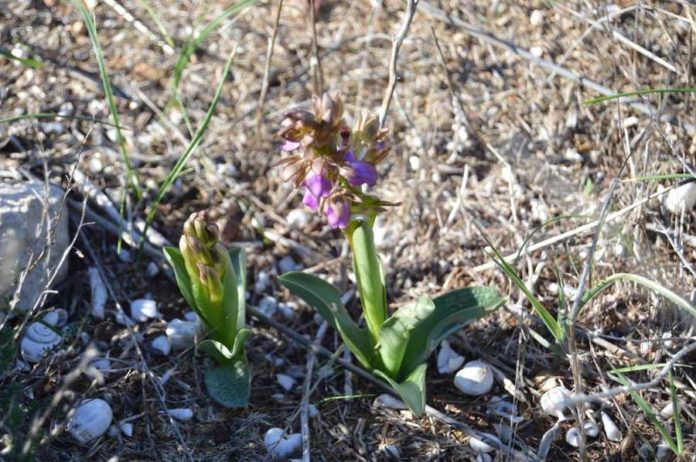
[{"x": 518, "y": 148}]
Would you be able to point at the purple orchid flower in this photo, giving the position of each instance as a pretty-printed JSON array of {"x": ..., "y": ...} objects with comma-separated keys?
[
  {"x": 337, "y": 213},
  {"x": 361, "y": 172},
  {"x": 318, "y": 186},
  {"x": 288, "y": 146}
]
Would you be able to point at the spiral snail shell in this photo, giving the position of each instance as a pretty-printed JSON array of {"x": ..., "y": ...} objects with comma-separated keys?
[
  {"x": 89, "y": 420},
  {"x": 38, "y": 340}
]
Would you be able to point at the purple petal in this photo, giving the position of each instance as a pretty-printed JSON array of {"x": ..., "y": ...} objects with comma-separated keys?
[
  {"x": 349, "y": 157},
  {"x": 318, "y": 185},
  {"x": 311, "y": 201},
  {"x": 338, "y": 214},
  {"x": 363, "y": 173},
  {"x": 288, "y": 146}
]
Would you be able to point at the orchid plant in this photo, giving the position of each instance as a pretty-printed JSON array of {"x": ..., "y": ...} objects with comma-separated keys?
[
  {"x": 212, "y": 280},
  {"x": 336, "y": 165}
]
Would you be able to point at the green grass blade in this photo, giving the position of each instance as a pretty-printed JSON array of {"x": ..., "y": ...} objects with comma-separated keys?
[
  {"x": 649, "y": 413},
  {"x": 640, "y": 280},
  {"x": 647, "y": 91},
  {"x": 193, "y": 144},
  {"x": 639, "y": 367},
  {"x": 190, "y": 47},
  {"x": 668, "y": 176},
  {"x": 549, "y": 321},
  {"x": 111, "y": 103},
  {"x": 163, "y": 30},
  {"x": 676, "y": 417},
  {"x": 28, "y": 62}
]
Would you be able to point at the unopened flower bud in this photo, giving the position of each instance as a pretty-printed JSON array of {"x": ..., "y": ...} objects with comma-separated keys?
[{"x": 211, "y": 280}]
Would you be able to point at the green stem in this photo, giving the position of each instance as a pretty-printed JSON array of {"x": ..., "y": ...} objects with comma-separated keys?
[{"x": 369, "y": 274}]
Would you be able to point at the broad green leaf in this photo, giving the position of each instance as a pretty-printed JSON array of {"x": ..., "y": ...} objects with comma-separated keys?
[
  {"x": 326, "y": 299},
  {"x": 411, "y": 390},
  {"x": 676, "y": 415},
  {"x": 238, "y": 258},
  {"x": 183, "y": 280},
  {"x": 230, "y": 306},
  {"x": 370, "y": 277},
  {"x": 396, "y": 333},
  {"x": 220, "y": 352},
  {"x": 230, "y": 384},
  {"x": 441, "y": 318}
]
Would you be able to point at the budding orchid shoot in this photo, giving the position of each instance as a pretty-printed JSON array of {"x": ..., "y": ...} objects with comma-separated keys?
[{"x": 332, "y": 161}]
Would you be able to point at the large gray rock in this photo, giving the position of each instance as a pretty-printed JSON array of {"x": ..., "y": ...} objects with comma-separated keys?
[{"x": 33, "y": 237}]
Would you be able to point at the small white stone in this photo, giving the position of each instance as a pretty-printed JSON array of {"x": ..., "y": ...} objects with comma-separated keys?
[
  {"x": 389, "y": 402},
  {"x": 102, "y": 365},
  {"x": 479, "y": 446},
  {"x": 298, "y": 218},
  {"x": 126, "y": 428},
  {"x": 552, "y": 401},
  {"x": 287, "y": 264},
  {"x": 610, "y": 429},
  {"x": 285, "y": 381},
  {"x": 99, "y": 293},
  {"x": 536, "y": 51},
  {"x": 161, "y": 345},
  {"x": 191, "y": 316},
  {"x": 152, "y": 269},
  {"x": 483, "y": 457},
  {"x": 313, "y": 411},
  {"x": 268, "y": 305},
  {"x": 89, "y": 420},
  {"x": 183, "y": 414},
  {"x": 143, "y": 309},
  {"x": 667, "y": 412},
  {"x": 125, "y": 256},
  {"x": 448, "y": 360},
  {"x": 286, "y": 310},
  {"x": 263, "y": 280},
  {"x": 536, "y": 18},
  {"x": 181, "y": 334},
  {"x": 123, "y": 320},
  {"x": 681, "y": 198},
  {"x": 572, "y": 437},
  {"x": 391, "y": 452},
  {"x": 57, "y": 317},
  {"x": 414, "y": 162},
  {"x": 590, "y": 429},
  {"x": 95, "y": 165},
  {"x": 280, "y": 445},
  {"x": 474, "y": 379}
]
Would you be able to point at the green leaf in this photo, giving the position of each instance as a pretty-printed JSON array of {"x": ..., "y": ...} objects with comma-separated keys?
[
  {"x": 220, "y": 352},
  {"x": 397, "y": 332},
  {"x": 183, "y": 280},
  {"x": 230, "y": 306},
  {"x": 411, "y": 390},
  {"x": 230, "y": 384},
  {"x": 238, "y": 259},
  {"x": 370, "y": 277},
  {"x": 326, "y": 299},
  {"x": 447, "y": 314}
]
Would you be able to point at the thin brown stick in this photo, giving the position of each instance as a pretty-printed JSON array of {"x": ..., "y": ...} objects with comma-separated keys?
[
  {"x": 396, "y": 45},
  {"x": 315, "y": 63},
  {"x": 267, "y": 72}
]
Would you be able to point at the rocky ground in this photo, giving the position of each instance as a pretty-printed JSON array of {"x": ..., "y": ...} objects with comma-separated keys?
[{"x": 492, "y": 134}]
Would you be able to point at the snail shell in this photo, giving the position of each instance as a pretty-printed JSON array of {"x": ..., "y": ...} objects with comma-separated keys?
[
  {"x": 57, "y": 317},
  {"x": 90, "y": 420},
  {"x": 280, "y": 445},
  {"x": 553, "y": 401},
  {"x": 474, "y": 379},
  {"x": 37, "y": 341}
]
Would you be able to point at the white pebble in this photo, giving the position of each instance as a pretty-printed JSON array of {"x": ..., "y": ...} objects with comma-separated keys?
[
  {"x": 389, "y": 402},
  {"x": 285, "y": 381},
  {"x": 668, "y": 411},
  {"x": 268, "y": 305},
  {"x": 181, "y": 334},
  {"x": 573, "y": 437},
  {"x": 681, "y": 198},
  {"x": 552, "y": 402},
  {"x": 280, "y": 445},
  {"x": 479, "y": 446},
  {"x": 152, "y": 269},
  {"x": 161, "y": 345},
  {"x": 474, "y": 379},
  {"x": 448, "y": 360},
  {"x": 125, "y": 256},
  {"x": 610, "y": 429},
  {"x": 263, "y": 280},
  {"x": 126, "y": 428},
  {"x": 536, "y": 18},
  {"x": 89, "y": 420},
  {"x": 143, "y": 309},
  {"x": 99, "y": 293},
  {"x": 391, "y": 452},
  {"x": 298, "y": 218},
  {"x": 287, "y": 264},
  {"x": 183, "y": 414},
  {"x": 95, "y": 165}
]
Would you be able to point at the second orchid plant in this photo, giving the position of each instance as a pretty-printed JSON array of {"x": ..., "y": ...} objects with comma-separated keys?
[{"x": 336, "y": 164}]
